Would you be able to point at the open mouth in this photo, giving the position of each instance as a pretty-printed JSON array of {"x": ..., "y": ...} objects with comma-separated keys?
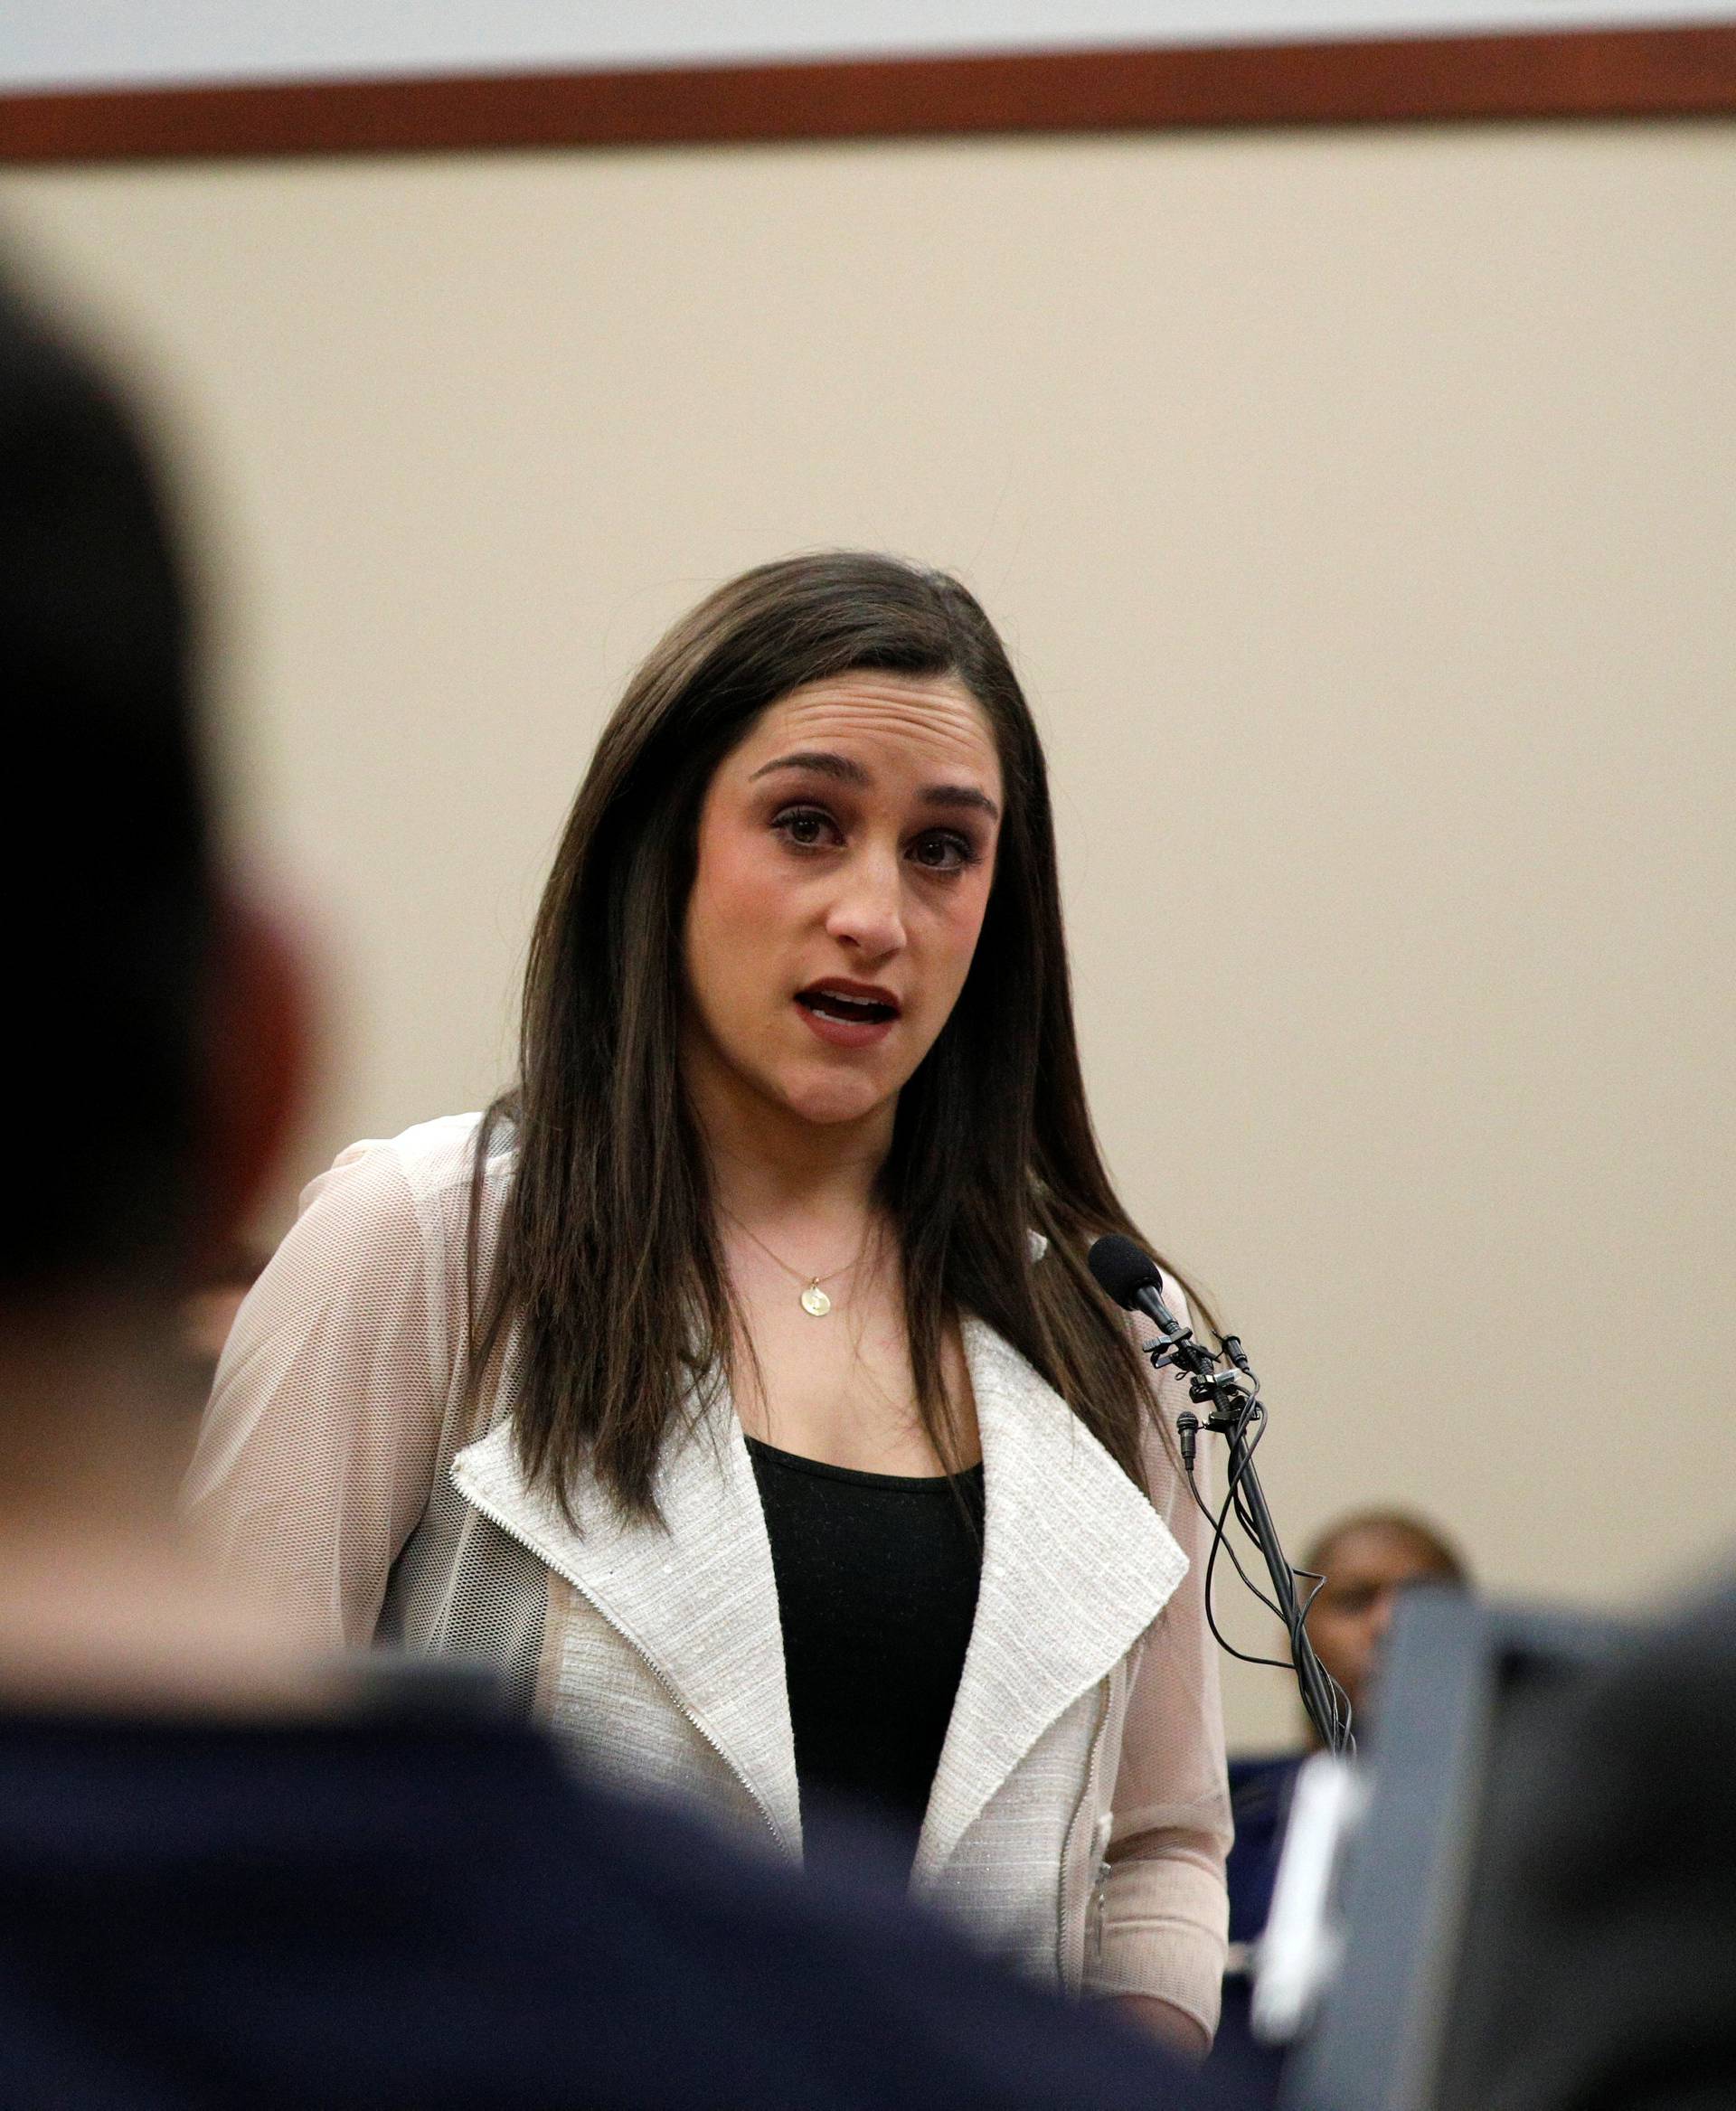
[{"x": 850, "y": 1006}]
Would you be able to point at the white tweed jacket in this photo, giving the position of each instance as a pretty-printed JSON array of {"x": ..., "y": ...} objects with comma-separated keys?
[{"x": 1078, "y": 1818}]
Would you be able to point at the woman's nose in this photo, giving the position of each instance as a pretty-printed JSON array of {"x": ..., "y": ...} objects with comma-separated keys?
[{"x": 868, "y": 911}]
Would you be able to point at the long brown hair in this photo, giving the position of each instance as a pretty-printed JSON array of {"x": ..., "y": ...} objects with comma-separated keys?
[{"x": 608, "y": 1260}]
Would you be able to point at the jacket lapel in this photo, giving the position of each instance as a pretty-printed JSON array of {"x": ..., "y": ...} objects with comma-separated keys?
[
  {"x": 698, "y": 1599},
  {"x": 1076, "y": 1566}
]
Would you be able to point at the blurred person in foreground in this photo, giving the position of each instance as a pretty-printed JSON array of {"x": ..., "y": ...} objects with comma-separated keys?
[
  {"x": 1367, "y": 1560},
  {"x": 1601, "y": 1919},
  {"x": 231, "y": 1872},
  {"x": 209, "y": 1308}
]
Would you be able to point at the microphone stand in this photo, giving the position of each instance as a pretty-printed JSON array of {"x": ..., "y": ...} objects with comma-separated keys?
[{"x": 1232, "y": 1397}]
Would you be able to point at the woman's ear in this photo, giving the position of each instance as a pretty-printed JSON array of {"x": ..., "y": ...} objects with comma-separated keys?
[{"x": 256, "y": 1064}]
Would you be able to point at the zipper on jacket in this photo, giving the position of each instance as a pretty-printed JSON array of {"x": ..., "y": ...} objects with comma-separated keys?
[
  {"x": 1100, "y": 1909},
  {"x": 1095, "y": 1902},
  {"x": 650, "y": 1663}
]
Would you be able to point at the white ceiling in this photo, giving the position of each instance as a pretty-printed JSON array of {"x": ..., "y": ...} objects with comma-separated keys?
[{"x": 90, "y": 43}]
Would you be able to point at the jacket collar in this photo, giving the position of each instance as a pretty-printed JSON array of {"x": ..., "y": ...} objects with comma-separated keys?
[
  {"x": 1075, "y": 1565},
  {"x": 694, "y": 1596}
]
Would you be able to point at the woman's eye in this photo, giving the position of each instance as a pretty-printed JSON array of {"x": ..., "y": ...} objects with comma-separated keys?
[
  {"x": 805, "y": 827},
  {"x": 942, "y": 852}
]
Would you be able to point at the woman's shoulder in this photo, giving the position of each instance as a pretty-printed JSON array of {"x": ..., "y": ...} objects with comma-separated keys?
[
  {"x": 410, "y": 1189},
  {"x": 430, "y": 1159}
]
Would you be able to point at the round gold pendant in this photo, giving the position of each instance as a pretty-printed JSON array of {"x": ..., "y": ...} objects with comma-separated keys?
[{"x": 815, "y": 1301}]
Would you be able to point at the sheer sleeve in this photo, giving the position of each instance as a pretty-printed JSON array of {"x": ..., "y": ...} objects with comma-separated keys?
[
  {"x": 318, "y": 1449},
  {"x": 1165, "y": 1911}
]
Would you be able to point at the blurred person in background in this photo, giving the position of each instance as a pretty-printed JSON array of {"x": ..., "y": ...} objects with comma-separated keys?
[
  {"x": 1367, "y": 1560},
  {"x": 232, "y": 1871},
  {"x": 736, "y": 1384}
]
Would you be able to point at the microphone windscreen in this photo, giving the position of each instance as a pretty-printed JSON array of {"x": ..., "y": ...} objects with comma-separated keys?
[{"x": 1122, "y": 1272}]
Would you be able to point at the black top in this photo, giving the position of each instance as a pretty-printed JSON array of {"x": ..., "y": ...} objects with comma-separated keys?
[
  {"x": 417, "y": 1915},
  {"x": 877, "y": 1576}
]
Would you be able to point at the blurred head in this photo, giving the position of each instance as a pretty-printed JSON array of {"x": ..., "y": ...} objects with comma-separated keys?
[
  {"x": 153, "y": 1043},
  {"x": 209, "y": 1308},
  {"x": 811, "y": 869},
  {"x": 1367, "y": 1560}
]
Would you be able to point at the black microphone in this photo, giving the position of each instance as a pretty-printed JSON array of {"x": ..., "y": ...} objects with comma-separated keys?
[{"x": 1134, "y": 1280}]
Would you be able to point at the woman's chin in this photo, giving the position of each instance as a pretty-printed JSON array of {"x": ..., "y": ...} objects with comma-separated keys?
[{"x": 829, "y": 1101}]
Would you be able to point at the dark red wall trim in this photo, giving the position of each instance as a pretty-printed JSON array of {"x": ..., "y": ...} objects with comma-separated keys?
[{"x": 1644, "y": 73}]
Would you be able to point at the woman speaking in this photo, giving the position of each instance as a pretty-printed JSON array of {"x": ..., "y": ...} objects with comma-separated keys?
[{"x": 735, "y": 1384}]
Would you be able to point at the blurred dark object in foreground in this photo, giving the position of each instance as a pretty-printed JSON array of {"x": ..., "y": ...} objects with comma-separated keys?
[
  {"x": 1539, "y": 1901},
  {"x": 1599, "y": 1947},
  {"x": 411, "y": 1909}
]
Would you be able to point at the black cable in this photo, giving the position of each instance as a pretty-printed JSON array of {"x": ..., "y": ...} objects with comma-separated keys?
[
  {"x": 1324, "y": 1700},
  {"x": 1219, "y": 1537},
  {"x": 1242, "y": 1518},
  {"x": 1220, "y": 1540}
]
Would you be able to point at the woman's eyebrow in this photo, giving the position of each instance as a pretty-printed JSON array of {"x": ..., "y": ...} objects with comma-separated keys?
[
  {"x": 822, "y": 763},
  {"x": 957, "y": 795}
]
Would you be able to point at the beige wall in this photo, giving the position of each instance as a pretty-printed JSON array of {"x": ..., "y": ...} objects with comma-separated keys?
[{"x": 1360, "y": 508}]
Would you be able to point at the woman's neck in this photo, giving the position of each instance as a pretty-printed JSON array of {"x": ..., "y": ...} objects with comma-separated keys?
[{"x": 769, "y": 1166}]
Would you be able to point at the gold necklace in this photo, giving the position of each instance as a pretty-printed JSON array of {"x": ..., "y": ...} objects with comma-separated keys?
[{"x": 813, "y": 1300}]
